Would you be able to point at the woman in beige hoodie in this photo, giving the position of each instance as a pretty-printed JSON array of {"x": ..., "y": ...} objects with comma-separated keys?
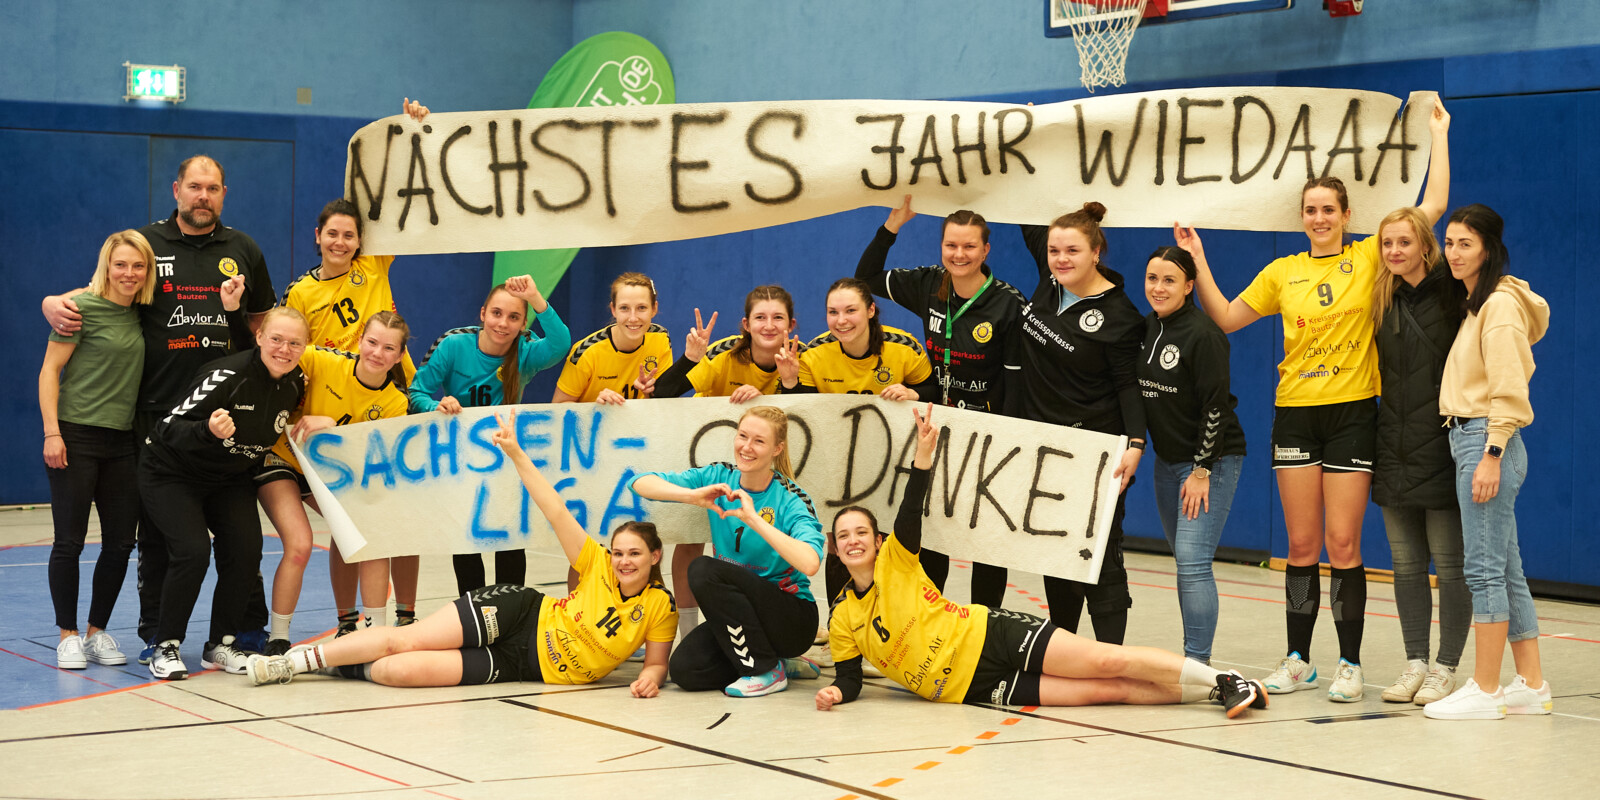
[{"x": 1484, "y": 399}]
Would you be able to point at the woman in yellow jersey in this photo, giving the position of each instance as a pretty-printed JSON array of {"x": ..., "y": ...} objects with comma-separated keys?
[
  {"x": 507, "y": 633},
  {"x": 858, "y": 354},
  {"x": 1323, "y": 428},
  {"x": 740, "y": 368},
  {"x": 892, "y": 615},
  {"x": 341, "y": 388},
  {"x": 338, "y": 295},
  {"x": 614, "y": 363}
]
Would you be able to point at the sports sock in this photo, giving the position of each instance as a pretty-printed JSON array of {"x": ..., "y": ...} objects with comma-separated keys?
[
  {"x": 405, "y": 613},
  {"x": 308, "y": 660},
  {"x": 1197, "y": 674},
  {"x": 377, "y": 616},
  {"x": 356, "y": 672},
  {"x": 349, "y": 615},
  {"x": 280, "y": 626},
  {"x": 1348, "y": 588},
  {"x": 688, "y": 618},
  {"x": 1302, "y": 591},
  {"x": 1196, "y": 694}
]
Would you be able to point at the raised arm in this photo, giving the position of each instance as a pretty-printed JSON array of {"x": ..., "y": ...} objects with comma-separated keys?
[
  {"x": 1436, "y": 198},
  {"x": 1228, "y": 316},
  {"x": 545, "y": 496},
  {"x": 871, "y": 267},
  {"x": 1037, "y": 239},
  {"x": 908, "y": 521}
]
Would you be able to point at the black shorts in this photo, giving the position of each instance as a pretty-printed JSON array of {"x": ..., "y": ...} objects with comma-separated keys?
[
  {"x": 497, "y": 622},
  {"x": 1011, "y": 660},
  {"x": 274, "y": 468},
  {"x": 1342, "y": 437}
]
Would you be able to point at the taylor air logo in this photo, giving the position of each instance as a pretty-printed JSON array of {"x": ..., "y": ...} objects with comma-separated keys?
[
  {"x": 1091, "y": 320},
  {"x": 768, "y": 514},
  {"x": 228, "y": 267},
  {"x": 882, "y": 373},
  {"x": 1169, "y": 356},
  {"x": 983, "y": 332}
]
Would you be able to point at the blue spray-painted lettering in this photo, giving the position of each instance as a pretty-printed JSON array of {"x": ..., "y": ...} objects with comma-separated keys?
[
  {"x": 400, "y": 442},
  {"x": 529, "y": 434},
  {"x": 480, "y": 435},
  {"x": 628, "y": 443},
  {"x": 570, "y": 442},
  {"x": 633, "y": 511},
  {"x": 326, "y": 463},
  {"x": 443, "y": 449},
  {"x": 377, "y": 462},
  {"x": 579, "y": 509},
  {"x": 480, "y": 531}
]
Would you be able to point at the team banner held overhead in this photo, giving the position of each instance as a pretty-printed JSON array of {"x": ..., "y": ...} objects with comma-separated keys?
[
  {"x": 1233, "y": 157},
  {"x": 1018, "y": 494},
  {"x": 608, "y": 69}
]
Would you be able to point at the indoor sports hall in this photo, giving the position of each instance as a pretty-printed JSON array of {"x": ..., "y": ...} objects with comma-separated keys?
[{"x": 104, "y": 103}]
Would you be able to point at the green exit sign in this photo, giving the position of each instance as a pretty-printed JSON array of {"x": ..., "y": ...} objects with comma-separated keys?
[{"x": 153, "y": 82}]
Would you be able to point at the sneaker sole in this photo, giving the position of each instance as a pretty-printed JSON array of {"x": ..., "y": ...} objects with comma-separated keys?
[
  {"x": 1395, "y": 697},
  {"x": 1341, "y": 698},
  {"x": 1427, "y": 712},
  {"x": 175, "y": 675},
  {"x": 72, "y": 665},
  {"x": 1539, "y": 710},
  {"x": 1311, "y": 684},
  {"x": 204, "y": 664},
  {"x": 109, "y": 661},
  {"x": 773, "y": 689}
]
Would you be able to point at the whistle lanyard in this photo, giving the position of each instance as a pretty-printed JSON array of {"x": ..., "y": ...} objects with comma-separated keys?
[{"x": 950, "y": 330}]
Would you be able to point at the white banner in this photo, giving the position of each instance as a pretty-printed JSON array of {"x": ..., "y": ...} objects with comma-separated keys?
[
  {"x": 1008, "y": 492},
  {"x": 544, "y": 178}
]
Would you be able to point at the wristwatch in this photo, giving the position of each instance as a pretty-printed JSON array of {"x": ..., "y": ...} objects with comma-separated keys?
[
  {"x": 1201, "y": 472},
  {"x": 1494, "y": 451}
]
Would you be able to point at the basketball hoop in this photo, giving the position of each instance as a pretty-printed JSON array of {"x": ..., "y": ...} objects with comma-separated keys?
[{"x": 1102, "y": 30}]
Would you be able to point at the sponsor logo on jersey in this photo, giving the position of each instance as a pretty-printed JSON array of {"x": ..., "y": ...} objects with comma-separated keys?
[
  {"x": 1091, "y": 320},
  {"x": 1346, "y": 265},
  {"x": 356, "y": 278},
  {"x": 1319, "y": 371},
  {"x": 1298, "y": 281},
  {"x": 636, "y": 614},
  {"x": 281, "y": 422},
  {"x": 768, "y": 514},
  {"x": 650, "y": 363},
  {"x": 228, "y": 267},
  {"x": 1361, "y": 462},
  {"x": 998, "y": 696},
  {"x": 1289, "y": 454},
  {"x": 180, "y": 319},
  {"x": 166, "y": 287},
  {"x": 1299, "y": 322},
  {"x": 186, "y": 343},
  {"x": 374, "y": 412},
  {"x": 1169, "y": 356},
  {"x": 882, "y": 373},
  {"x": 244, "y": 407},
  {"x": 983, "y": 332}
]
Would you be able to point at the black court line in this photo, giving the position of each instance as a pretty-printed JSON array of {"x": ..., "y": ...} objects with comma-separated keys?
[
  {"x": 304, "y": 715},
  {"x": 1357, "y": 717},
  {"x": 941, "y": 747},
  {"x": 376, "y": 752},
  {"x": 723, "y": 719},
  {"x": 1235, "y": 753},
  {"x": 630, "y": 755},
  {"x": 702, "y": 750}
]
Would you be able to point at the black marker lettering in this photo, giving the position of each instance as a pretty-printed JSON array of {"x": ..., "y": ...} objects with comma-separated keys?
[
  {"x": 496, "y": 166},
  {"x": 1010, "y": 146},
  {"x": 606, "y": 127},
  {"x": 538, "y": 196},
  {"x": 694, "y": 441},
  {"x": 1161, "y": 142},
  {"x": 1351, "y": 123},
  {"x": 411, "y": 189},
  {"x": 958, "y": 149},
  {"x": 1302, "y": 125},
  {"x": 444, "y": 174},
  {"x": 1087, "y": 170},
  {"x": 855, "y": 414},
  {"x": 929, "y": 141},
  {"x": 1034, "y": 492},
  {"x": 942, "y": 459},
  {"x": 374, "y": 201},
  {"x": 799, "y": 124},
  {"x": 1405, "y": 147},
  {"x": 678, "y": 166},
  {"x": 984, "y": 480},
  {"x": 1238, "y": 122},
  {"x": 1094, "y": 501},
  {"x": 894, "y": 149},
  {"x": 1184, "y": 140}
]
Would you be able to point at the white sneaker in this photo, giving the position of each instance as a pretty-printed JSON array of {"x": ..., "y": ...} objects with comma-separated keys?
[
  {"x": 1405, "y": 687},
  {"x": 1293, "y": 673},
  {"x": 224, "y": 656},
  {"x": 102, "y": 649},
  {"x": 1522, "y": 700},
  {"x": 269, "y": 669},
  {"x": 69, "y": 653},
  {"x": 1468, "y": 702},
  {"x": 167, "y": 664},
  {"x": 1441, "y": 681},
  {"x": 1348, "y": 685}
]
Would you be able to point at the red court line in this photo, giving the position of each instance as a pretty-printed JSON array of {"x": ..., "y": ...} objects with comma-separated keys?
[
  {"x": 74, "y": 673},
  {"x": 323, "y": 757}
]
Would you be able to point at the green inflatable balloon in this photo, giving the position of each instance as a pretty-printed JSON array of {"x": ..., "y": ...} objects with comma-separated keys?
[{"x": 607, "y": 69}]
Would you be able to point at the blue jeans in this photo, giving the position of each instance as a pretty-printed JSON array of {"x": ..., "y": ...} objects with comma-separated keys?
[
  {"x": 1489, "y": 533},
  {"x": 1194, "y": 545}
]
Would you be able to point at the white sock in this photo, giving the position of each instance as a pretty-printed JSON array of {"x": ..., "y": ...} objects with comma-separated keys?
[
  {"x": 377, "y": 616},
  {"x": 280, "y": 626},
  {"x": 307, "y": 660},
  {"x": 688, "y": 618},
  {"x": 1193, "y": 694},
  {"x": 1197, "y": 674}
]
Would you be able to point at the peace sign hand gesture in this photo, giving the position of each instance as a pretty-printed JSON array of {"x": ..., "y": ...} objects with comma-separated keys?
[
  {"x": 699, "y": 337},
  {"x": 788, "y": 360}
]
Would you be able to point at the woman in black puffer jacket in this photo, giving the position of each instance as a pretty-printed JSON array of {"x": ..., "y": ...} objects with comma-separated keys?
[{"x": 1417, "y": 310}]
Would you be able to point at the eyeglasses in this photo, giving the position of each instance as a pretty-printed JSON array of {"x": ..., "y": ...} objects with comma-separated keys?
[{"x": 279, "y": 341}]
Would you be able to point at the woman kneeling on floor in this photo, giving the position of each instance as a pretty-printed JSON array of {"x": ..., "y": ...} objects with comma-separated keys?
[
  {"x": 978, "y": 654},
  {"x": 504, "y": 633}
]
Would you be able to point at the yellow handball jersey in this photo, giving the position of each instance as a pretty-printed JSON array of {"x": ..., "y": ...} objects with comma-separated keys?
[
  {"x": 719, "y": 373},
  {"x": 585, "y": 635},
  {"x": 828, "y": 367},
  {"x": 1326, "y": 305},
  {"x": 908, "y": 630},
  {"x": 594, "y": 363},
  {"x": 338, "y": 308},
  {"x": 333, "y": 390}
]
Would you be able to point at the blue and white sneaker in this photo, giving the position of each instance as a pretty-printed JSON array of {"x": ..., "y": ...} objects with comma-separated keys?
[
  {"x": 1348, "y": 683},
  {"x": 801, "y": 668},
  {"x": 148, "y": 654},
  {"x": 770, "y": 682},
  {"x": 250, "y": 641},
  {"x": 1293, "y": 673}
]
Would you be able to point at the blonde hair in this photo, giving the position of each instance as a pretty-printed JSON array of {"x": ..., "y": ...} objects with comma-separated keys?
[
  {"x": 1383, "y": 290},
  {"x": 634, "y": 279},
  {"x": 286, "y": 311},
  {"x": 780, "y": 432},
  {"x": 100, "y": 284}
]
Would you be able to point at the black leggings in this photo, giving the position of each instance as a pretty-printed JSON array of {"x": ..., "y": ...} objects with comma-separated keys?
[
  {"x": 510, "y": 566},
  {"x": 184, "y": 511},
  {"x": 749, "y": 624},
  {"x": 101, "y": 469},
  {"x": 1108, "y": 598}
]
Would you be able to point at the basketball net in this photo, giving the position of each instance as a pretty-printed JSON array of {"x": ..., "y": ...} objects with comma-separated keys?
[{"x": 1102, "y": 30}]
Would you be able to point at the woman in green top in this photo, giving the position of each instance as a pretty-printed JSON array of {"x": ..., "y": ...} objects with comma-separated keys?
[{"x": 87, "y": 389}]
